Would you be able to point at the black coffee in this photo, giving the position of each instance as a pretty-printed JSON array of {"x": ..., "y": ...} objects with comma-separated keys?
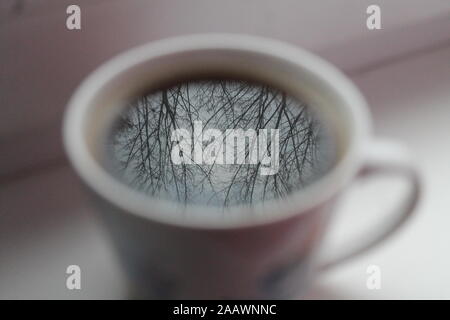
[{"x": 219, "y": 143}]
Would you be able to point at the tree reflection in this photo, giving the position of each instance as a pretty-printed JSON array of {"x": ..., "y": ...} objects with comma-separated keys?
[{"x": 141, "y": 143}]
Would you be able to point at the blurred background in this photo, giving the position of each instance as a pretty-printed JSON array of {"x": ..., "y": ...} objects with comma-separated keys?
[{"x": 403, "y": 70}]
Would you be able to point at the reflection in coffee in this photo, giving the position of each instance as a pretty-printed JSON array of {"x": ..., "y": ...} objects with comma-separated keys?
[{"x": 219, "y": 143}]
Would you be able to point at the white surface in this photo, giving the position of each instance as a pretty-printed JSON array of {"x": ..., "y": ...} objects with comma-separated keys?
[
  {"x": 411, "y": 100},
  {"x": 46, "y": 223}
]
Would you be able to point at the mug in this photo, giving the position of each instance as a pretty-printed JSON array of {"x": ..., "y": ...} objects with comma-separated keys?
[{"x": 272, "y": 254}]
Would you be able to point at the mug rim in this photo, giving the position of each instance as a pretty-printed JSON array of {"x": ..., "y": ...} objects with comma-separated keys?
[{"x": 137, "y": 203}]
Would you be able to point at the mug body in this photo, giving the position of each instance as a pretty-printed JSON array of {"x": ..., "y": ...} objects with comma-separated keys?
[
  {"x": 269, "y": 261},
  {"x": 267, "y": 251}
]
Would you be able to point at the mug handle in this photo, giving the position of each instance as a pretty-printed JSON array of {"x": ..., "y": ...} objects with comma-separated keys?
[{"x": 384, "y": 157}]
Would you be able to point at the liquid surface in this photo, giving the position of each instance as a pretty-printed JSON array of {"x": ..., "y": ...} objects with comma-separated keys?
[{"x": 219, "y": 143}]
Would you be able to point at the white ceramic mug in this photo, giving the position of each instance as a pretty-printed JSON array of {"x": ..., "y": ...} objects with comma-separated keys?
[{"x": 271, "y": 254}]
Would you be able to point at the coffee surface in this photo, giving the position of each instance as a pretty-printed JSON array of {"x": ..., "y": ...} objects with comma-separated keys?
[{"x": 219, "y": 143}]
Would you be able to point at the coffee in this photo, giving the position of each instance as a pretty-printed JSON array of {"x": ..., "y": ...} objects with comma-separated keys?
[{"x": 219, "y": 142}]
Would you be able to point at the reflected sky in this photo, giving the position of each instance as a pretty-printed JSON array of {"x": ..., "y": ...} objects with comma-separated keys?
[{"x": 142, "y": 145}]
